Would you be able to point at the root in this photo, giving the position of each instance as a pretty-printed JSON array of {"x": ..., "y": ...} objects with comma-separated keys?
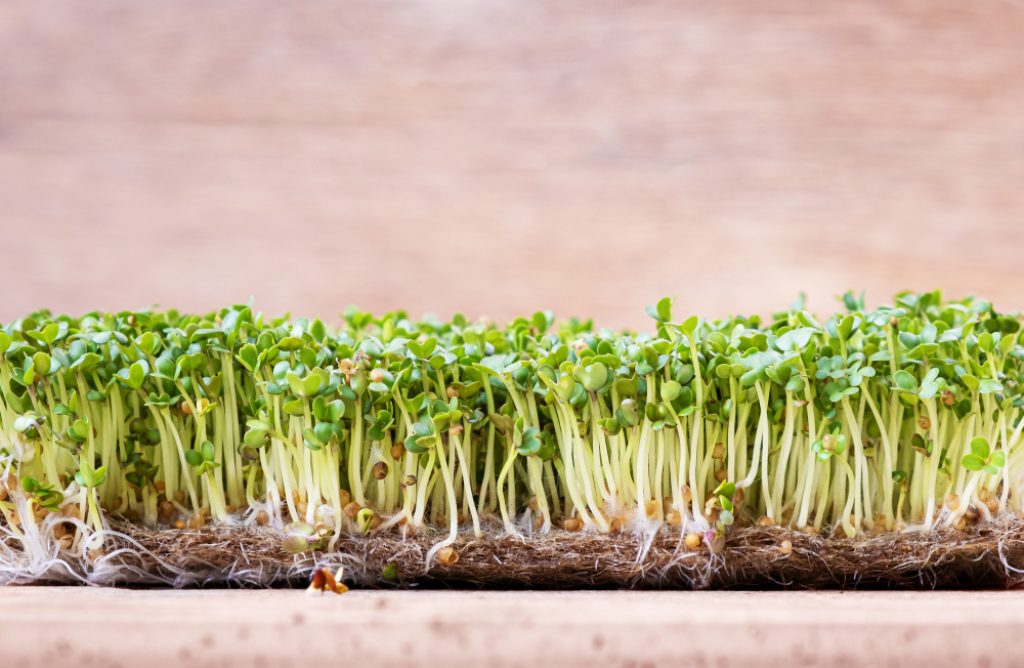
[{"x": 987, "y": 556}]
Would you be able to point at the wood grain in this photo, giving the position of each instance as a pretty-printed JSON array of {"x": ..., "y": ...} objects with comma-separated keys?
[
  {"x": 498, "y": 157},
  {"x": 455, "y": 629}
]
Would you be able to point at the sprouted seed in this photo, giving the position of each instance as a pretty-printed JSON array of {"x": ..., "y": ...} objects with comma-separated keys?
[
  {"x": 906, "y": 415},
  {"x": 323, "y": 580}
]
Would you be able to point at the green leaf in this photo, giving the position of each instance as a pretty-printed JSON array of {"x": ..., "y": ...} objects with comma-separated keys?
[
  {"x": 248, "y": 356},
  {"x": 137, "y": 374},
  {"x": 725, "y": 488},
  {"x": 796, "y": 384},
  {"x": 689, "y": 326},
  {"x": 324, "y": 431},
  {"x": 905, "y": 381},
  {"x": 998, "y": 459},
  {"x": 670, "y": 390},
  {"x": 530, "y": 443},
  {"x": 980, "y": 447},
  {"x": 989, "y": 386},
  {"x": 795, "y": 339},
  {"x": 208, "y": 451},
  {"x": 972, "y": 462},
  {"x": 662, "y": 311},
  {"x": 592, "y": 377},
  {"x": 42, "y": 363},
  {"x": 194, "y": 458},
  {"x": 89, "y": 478}
]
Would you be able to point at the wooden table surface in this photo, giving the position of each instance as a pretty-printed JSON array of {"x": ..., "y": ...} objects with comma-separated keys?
[
  {"x": 499, "y": 629},
  {"x": 497, "y": 157}
]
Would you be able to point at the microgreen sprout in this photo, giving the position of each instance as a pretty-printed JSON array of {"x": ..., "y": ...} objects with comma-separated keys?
[{"x": 866, "y": 421}]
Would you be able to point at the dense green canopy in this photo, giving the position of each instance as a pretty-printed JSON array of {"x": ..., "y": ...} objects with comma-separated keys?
[{"x": 866, "y": 420}]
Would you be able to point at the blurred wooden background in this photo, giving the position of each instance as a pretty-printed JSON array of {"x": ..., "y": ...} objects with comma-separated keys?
[{"x": 500, "y": 156}]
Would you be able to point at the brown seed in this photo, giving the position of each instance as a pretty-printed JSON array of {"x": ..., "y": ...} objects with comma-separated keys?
[
  {"x": 262, "y": 518},
  {"x": 352, "y": 509},
  {"x": 179, "y": 496},
  {"x": 301, "y": 507},
  {"x": 811, "y": 530},
  {"x": 672, "y": 518},
  {"x": 410, "y": 481},
  {"x": 196, "y": 521},
  {"x": 165, "y": 509},
  {"x": 447, "y": 556},
  {"x": 993, "y": 505},
  {"x": 572, "y": 524},
  {"x": 380, "y": 470},
  {"x": 718, "y": 452},
  {"x": 377, "y": 376},
  {"x": 185, "y": 408},
  {"x": 692, "y": 540},
  {"x": 59, "y": 530},
  {"x": 765, "y": 521},
  {"x": 344, "y": 497},
  {"x": 451, "y": 392},
  {"x": 786, "y": 548},
  {"x": 397, "y": 451},
  {"x": 532, "y": 503},
  {"x": 615, "y": 525},
  {"x": 924, "y": 423},
  {"x": 738, "y": 497},
  {"x": 651, "y": 508},
  {"x": 179, "y": 523},
  {"x": 160, "y": 485},
  {"x": 953, "y": 502},
  {"x": 960, "y": 524},
  {"x": 455, "y": 430},
  {"x": 971, "y": 514},
  {"x": 538, "y": 522},
  {"x": 687, "y": 494},
  {"x": 720, "y": 475}
]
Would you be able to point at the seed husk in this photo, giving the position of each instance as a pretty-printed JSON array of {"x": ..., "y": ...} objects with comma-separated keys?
[
  {"x": 572, "y": 524},
  {"x": 447, "y": 556}
]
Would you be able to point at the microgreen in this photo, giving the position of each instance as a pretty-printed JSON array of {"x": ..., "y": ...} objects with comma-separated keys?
[{"x": 863, "y": 420}]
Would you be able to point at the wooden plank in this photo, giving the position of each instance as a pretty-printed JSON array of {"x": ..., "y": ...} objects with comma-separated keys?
[
  {"x": 500, "y": 157},
  {"x": 86, "y": 626}
]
